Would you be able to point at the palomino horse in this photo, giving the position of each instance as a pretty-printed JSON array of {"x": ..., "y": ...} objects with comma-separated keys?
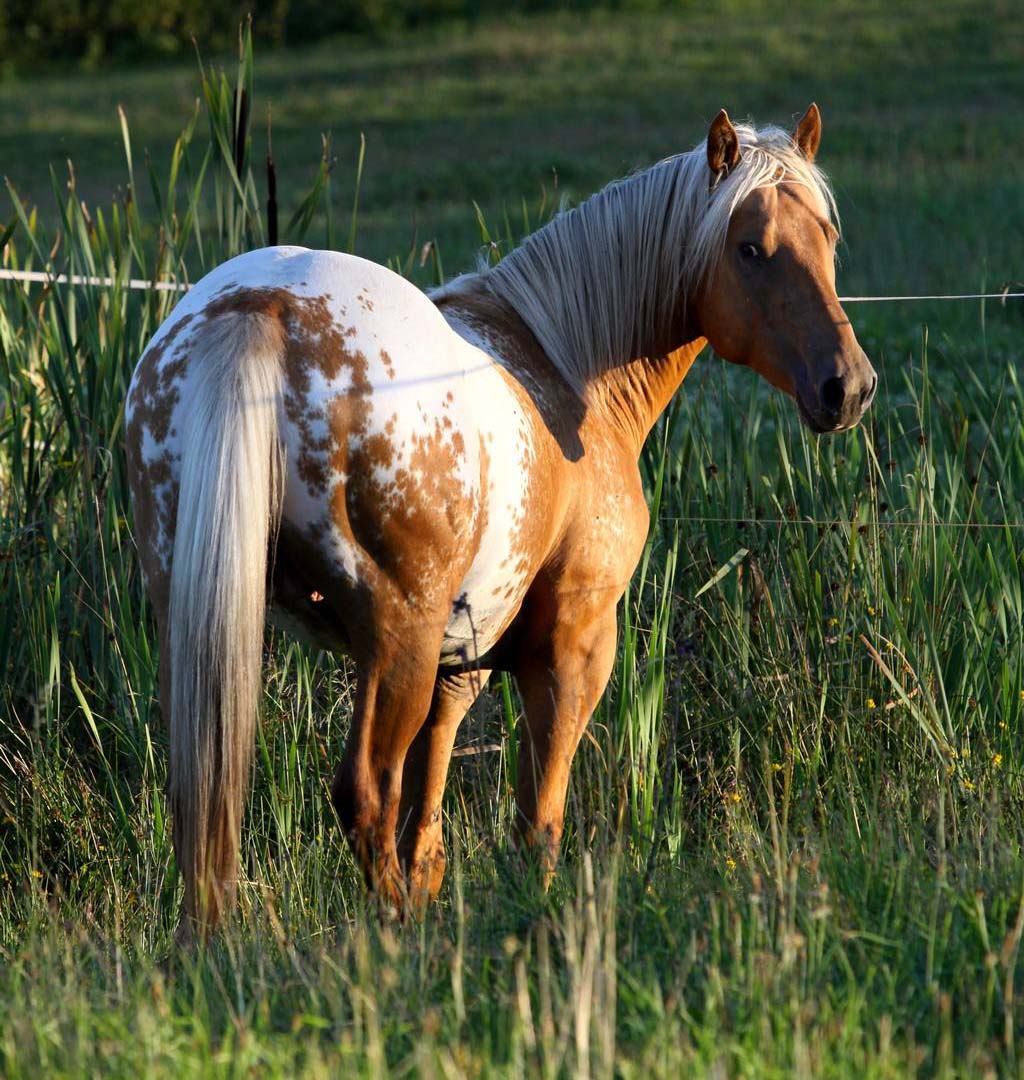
[{"x": 443, "y": 486}]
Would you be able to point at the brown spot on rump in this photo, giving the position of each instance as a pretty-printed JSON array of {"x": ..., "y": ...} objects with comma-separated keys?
[
  {"x": 389, "y": 367},
  {"x": 418, "y": 526},
  {"x": 153, "y": 397},
  {"x": 155, "y": 510},
  {"x": 313, "y": 341},
  {"x": 153, "y": 394}
]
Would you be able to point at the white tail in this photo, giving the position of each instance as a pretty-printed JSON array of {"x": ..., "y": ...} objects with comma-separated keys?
[{"x": 229, "y": 503}]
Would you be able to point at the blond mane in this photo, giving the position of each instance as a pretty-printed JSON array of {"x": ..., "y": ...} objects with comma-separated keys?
[{"x": 601, "y": 279}]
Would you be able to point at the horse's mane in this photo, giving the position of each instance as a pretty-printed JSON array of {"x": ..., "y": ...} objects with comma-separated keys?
[{"x": 600, "y": 279}]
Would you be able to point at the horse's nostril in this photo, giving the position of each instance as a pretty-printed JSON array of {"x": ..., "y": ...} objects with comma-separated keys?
[
  {"x": 867, "y": 395},
  {"x": 832, "y": 394}
]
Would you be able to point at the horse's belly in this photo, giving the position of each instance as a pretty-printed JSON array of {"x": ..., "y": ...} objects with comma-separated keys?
[
  {"x": 489, "y": 600},
  {"x": 503, "y": 564}
]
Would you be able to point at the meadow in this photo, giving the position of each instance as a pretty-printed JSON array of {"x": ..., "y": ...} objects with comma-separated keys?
[{"x": 794, "y": 839}]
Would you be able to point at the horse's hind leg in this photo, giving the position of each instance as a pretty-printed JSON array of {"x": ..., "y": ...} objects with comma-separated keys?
[
  {"x": 393, "y": 700},
  {"x": 420, "y": 840},
  {"x": 560, "y": 686}
]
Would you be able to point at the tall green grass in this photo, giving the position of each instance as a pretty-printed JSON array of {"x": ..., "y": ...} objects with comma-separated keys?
[{"x": 794, "y": 841}]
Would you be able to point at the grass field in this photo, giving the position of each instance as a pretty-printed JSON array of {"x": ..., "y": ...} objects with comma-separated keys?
[{"x": 795, "y": 835}]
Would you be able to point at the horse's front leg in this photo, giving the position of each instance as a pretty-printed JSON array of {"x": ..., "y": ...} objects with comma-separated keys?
[
  {"x": 394, "y": 695},
  {"x": 420, "y": 840},
  {"x": 560, "y": 686}
]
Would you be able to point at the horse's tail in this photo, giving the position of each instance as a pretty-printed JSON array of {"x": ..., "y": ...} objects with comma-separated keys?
[{"x": 229, "y": 508}]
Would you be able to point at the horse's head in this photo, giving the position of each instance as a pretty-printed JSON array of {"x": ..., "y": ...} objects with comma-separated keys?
[{"x": 771, "y": 301}]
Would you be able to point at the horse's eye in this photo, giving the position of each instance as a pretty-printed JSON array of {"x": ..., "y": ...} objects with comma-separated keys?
[{"x": 750, "y": 251}]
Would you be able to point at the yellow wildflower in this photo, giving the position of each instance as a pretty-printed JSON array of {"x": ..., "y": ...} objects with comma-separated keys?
[
  {"x": 997, "y": 760},
  {"x": 871, "y": 703}
]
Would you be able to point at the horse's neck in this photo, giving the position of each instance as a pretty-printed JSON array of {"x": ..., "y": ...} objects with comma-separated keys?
[
  {"x": 632, "y": 396},
  {"x": 626, "y": 399}
]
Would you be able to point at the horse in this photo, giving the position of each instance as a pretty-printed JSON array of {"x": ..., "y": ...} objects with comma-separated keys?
[{"x": 444, "y": 485}]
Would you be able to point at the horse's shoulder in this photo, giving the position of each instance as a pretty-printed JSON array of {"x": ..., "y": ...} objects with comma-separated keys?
[{"x": 609, "y": 520}]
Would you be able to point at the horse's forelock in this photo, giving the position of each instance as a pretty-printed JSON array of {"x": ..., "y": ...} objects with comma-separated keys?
[{"x": 768, "y": 156}]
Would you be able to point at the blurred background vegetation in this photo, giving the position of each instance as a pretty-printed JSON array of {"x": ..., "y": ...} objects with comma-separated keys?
[{"x": 88, "y": 32}]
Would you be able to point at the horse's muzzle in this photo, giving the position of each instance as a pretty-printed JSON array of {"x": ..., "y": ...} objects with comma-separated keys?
[{"x": 840, "y": 399}]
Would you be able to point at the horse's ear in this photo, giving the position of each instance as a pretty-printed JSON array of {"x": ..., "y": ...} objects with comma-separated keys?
[
  {"x": 808, "y": 133},
  {"x": 723, "y": 145}
]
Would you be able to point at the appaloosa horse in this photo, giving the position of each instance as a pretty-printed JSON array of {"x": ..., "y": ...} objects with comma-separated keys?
[{"x": 446, "y": 485}]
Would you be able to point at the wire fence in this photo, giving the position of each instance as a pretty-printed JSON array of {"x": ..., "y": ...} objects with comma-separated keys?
[
  {"x": 866, "y": 523},
  {"x": 46, "y": 277}
]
